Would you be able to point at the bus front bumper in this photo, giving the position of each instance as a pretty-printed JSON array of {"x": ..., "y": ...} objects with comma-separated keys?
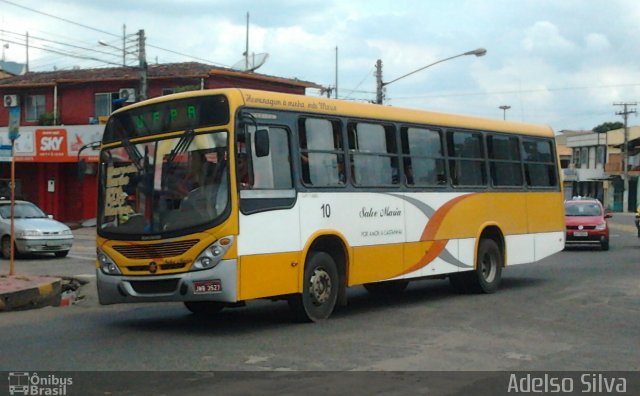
[{"x": 215, "y": 284}]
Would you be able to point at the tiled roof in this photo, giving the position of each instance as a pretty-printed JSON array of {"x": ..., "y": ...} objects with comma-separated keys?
[{"x": 160, "y": 71}]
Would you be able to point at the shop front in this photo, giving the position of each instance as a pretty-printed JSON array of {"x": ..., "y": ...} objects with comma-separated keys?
[{"x": 46, "y": 169}]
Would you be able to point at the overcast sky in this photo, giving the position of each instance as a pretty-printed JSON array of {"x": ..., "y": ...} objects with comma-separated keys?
[{"x": 562, "y": 63}]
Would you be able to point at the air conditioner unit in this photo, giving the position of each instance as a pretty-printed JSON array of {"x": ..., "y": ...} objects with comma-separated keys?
[
  {"x": 127, "y": 94},
  {"x": 10, "y": 100}
]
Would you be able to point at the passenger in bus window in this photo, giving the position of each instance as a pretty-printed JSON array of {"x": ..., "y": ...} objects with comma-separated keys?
[
  {"x": 342, "y": 176},
  {"x": 243, "y": 171}
]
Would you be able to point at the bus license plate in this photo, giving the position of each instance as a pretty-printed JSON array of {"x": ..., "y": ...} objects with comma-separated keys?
[
  {"x": 580, "y": 234},
  {"x": 207, "y": 287}
]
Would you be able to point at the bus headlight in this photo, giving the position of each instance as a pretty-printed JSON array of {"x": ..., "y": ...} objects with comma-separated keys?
[
  {"x": 106, "y": 264},
  {"x": 213, "y": 254}
]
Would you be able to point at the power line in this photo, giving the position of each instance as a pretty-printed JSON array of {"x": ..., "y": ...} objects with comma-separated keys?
[
  {"x": 54, "y": 42},
  {"x": 517, "y": 91},
  {"x": 348, "y": 95},
  {"x": 59, "y": 52},
  {"x": 59, "y": 18},
  {"x": 108, "y": 33},
  {"x": 188, "y": 56}
]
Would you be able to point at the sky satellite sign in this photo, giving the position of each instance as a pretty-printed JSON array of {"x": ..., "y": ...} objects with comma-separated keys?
[{"x": 5, "y": 153}]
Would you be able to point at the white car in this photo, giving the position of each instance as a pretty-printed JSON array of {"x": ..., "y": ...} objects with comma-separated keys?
[{"x": 34, "y": 231}]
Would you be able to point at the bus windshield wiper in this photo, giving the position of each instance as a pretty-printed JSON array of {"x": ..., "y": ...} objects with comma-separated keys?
[
  {"x": 134, "y": 154},
  {"x": 182, "y": 146}
]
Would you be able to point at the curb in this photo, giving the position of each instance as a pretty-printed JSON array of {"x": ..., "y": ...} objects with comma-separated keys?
[{"x": 21, "y": 292}]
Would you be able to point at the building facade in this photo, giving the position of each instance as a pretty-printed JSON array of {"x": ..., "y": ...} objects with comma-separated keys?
[
  {"x": 61, "y": 111},
  {"x": 597, "y": 171}
]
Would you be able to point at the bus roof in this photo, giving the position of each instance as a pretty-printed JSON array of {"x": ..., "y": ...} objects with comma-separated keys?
[{"x": 271, "y": 100}]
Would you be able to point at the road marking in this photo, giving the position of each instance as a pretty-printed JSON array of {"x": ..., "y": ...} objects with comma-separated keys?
[{"x": 82, "y": 257}]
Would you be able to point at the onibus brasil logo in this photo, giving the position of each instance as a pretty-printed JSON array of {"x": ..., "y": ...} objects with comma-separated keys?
[{"x": 32, "y": 384}]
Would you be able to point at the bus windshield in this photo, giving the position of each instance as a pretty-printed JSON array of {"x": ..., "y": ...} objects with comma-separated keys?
[{"x": 164, "y": 186}]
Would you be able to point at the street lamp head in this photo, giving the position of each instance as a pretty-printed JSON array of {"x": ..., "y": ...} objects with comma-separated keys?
[
  {"x": 381, "y": 84},
  {"x": 102, "y": 42},
  {"x": 477, "y": 52}
]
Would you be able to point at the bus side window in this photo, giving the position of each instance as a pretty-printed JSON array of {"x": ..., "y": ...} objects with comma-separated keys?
[
  {"x": 422, "y": 150},
  {"x": 374, "y": 154},
  {"x": 321, "y": 152},
  {"x": 467, "y": 163},
  {"x": 539, "y": 162},
  {"x": 273, "y": 171}
]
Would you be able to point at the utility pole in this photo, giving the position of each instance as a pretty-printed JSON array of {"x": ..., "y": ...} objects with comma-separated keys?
[
  {"x": 379, "y": 85},
  {"x": 124, "y": 45},
  {"x": 142, "y": 57},
  {"x": 336, "y": 73},
  {"x": 27, "y": 49},
  {"x": 625, "y": 156}
]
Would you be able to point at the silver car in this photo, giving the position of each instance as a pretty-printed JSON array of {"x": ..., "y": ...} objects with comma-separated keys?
[{"x": 34, "y": 231}]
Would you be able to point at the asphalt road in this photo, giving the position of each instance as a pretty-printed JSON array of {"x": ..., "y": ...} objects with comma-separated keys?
[{"x": 578, "y": 311}]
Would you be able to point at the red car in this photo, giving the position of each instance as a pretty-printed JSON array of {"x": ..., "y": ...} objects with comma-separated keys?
[{"x": 586, "y": 222}]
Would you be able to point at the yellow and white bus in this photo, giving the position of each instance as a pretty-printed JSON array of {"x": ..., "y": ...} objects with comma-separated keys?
[{"x": 217, "y": 197}]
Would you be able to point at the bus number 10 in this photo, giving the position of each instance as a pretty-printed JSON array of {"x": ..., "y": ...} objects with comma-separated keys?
[{"x": 326, "y": 210}]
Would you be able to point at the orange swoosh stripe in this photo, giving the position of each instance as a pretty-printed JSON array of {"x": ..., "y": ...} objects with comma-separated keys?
[
  {"x": 430, "y": 255},
  {"x": 429, "y": 234},
  {"x": 434, "y": 223}
]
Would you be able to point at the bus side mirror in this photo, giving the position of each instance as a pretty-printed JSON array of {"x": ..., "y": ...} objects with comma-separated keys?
[{"x": 261, "y": 138}]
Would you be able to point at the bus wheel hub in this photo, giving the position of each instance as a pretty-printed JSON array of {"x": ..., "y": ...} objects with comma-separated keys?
[{"x": 320, "y": 288}]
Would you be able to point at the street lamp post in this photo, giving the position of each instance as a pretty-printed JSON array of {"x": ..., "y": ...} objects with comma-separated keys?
[
  {"x": 504, "y": 111},
  {"x": 380, "y": 84}
]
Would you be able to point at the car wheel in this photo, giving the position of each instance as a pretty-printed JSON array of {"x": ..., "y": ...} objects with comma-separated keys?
[
  {"x": 204, "y": 308},
  {"x": 604, "y": 244},
  {"x": 62, "y": 254},
  {"x": 6, "y": 247},
  {"x": 319, "y": 290}
]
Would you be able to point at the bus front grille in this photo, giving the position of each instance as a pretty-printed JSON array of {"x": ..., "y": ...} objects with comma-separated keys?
[
  {"x": 164, "y": 267},
  {"x": 165, "y": 286},
  {"x": 158, "y": 250}
]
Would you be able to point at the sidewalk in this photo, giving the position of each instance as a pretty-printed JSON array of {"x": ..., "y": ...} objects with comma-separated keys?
[
  {"x": 20, "y": 292},
  {"x": 28, "y": 291}
]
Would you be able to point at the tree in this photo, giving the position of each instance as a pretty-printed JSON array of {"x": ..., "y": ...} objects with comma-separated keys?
[{"x": 608, "y": 126}]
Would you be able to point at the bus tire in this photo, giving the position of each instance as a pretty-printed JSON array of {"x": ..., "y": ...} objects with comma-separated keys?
[
  {"x": 319, "y": 289},
  {"x": 386, "y": 289},
  {"x": 204, "y": 308},
  {"x": 488, "y": 273}
]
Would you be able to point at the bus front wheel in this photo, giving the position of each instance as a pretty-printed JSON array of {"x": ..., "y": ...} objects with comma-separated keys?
[
  {"x": 488, "y": 273},
  {"x": 319, "y": 290}
]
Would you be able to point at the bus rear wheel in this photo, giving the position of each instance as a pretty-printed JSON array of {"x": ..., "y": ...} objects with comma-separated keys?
[
  {"x": 319, "y": 290},
  {"x": 488, "y": 273},
  {"x": 204, "y": 308}
]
